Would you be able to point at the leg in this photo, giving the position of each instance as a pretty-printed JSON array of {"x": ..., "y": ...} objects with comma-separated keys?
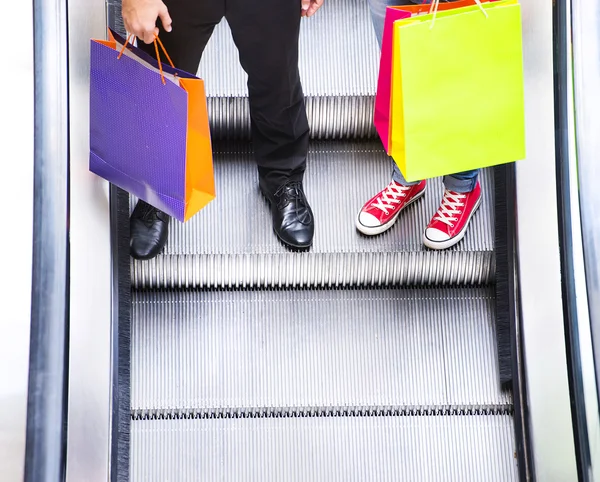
[
  {"x": 193, "y": 24},
  {"x": 380, "y": 212},
  {"x": 462, "y": 182},
  {"x": 266, "y": 35},
  {"x": 462, "y": 197}
]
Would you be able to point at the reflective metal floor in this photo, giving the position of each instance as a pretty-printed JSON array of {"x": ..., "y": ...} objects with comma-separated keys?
[{"x": 363, "y": 359}]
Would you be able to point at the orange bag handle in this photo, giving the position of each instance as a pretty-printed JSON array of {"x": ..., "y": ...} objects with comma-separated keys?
[{"x": 157, "y": 42}]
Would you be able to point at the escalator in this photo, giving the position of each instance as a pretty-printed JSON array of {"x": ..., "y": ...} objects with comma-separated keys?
[
  {"x": 229, "y": 357},
  {"x": 363, "y": 359}
]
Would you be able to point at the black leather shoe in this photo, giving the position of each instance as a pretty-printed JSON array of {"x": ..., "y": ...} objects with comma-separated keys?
[
  {"x": 149, "y": 231},
  {"x": 293, "y": 220}
]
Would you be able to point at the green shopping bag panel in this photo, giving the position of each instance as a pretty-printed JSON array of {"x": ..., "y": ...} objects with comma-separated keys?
[{"x": 457, "y": 91}]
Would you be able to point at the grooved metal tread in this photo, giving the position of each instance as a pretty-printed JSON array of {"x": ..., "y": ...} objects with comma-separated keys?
[
  {"x": 341, "y": 38},
  {"x": 334, "y": 118},
  {"x": 264, "y": 353},
  {"x": 424, "y": 449},
  {"x": 230, "y": 243}
]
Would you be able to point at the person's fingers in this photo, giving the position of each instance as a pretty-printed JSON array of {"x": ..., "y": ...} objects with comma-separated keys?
[
  {"x": 127, "y": 26},
  {"x": 314, "y": 6},
  {"x": 165, "y": 18},
  {"x": 149, "y": 36},
  {"x": 305, "y": 7}
]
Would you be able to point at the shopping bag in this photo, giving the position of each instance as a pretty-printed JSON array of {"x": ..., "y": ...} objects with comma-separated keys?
[
  {"x": 149, "y": 131},
  {"x": 384, "y": 81},
  {"x": 457, "y": 100}
]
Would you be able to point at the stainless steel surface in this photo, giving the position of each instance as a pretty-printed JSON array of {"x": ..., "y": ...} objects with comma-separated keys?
[
  {"x": 246, "y": 350},
  {"x": 539, "y": 260},
  {"x": 328, "y": 117},
  {"x": 341, "y": 39},
  {"x": 585, "y": 147},
  {"x": 230, "y": 242},
  {"x": 586, "y": 51},
  {"x": 16, "y": 138},
  {"x": 46, "y": 402},
  {"x": 448, "y": 449},
  {"x": 90, "y": 349}
]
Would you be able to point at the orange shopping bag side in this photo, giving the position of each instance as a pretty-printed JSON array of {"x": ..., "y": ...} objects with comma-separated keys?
[{"x": 199, "y": 178}]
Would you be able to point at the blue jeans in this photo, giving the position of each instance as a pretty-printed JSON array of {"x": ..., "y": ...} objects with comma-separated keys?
[{"x": 461, "y": 182}]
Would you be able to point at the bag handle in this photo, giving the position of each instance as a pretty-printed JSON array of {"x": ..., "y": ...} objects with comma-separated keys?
[
  {"x": 434, "y": 8},
  {"x": 157, "y": 42}
]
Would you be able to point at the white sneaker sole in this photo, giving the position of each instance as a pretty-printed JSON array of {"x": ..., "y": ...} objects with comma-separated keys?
[
  {"x": 440, "y": 245},
  {"x": 382, "y": 228}
]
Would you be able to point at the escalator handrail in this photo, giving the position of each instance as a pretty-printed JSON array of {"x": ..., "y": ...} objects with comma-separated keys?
[
  {"x": 586, "y": 51},
  {"x": 585, "y": 292},
  {"x": 45, "y": 454}
]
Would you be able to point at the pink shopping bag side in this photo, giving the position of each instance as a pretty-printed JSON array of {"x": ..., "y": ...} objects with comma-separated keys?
[{"x": 384, "y": 82}]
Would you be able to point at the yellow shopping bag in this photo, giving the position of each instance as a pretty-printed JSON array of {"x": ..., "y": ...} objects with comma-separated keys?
[{"x": 457, "y": 100}]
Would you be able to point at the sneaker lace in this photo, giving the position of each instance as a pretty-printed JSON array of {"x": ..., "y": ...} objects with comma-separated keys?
[
  {"x": 450, "y": 207},
  {"x": 390, "y": 196}
]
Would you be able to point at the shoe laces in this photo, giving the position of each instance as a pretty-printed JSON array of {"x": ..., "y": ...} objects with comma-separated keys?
[
  {"x": 290, "y": 191},
  {"x": 146, "y": 212},
  {"x": 450, "y": 207},
  {"x": 392, "y": 195}
]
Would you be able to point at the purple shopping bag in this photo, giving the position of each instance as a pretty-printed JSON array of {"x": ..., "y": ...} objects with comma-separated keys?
[{"x": 149, "y": 131}]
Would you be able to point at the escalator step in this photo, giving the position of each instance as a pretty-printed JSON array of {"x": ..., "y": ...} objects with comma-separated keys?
[
  {"x": 270, "y": 353},
  {"x": 231, "y": 244},
  {"x": 427, "y": 449},
  {"x": 340, "y": 39}
]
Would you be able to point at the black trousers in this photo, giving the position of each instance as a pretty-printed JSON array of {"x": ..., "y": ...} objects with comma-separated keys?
[{"x": 266, "y": 35}]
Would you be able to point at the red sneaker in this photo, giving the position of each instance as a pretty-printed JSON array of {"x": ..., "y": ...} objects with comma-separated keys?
[
  {"x": 381, "y": 211},
  {"x": 450, "y": 223}
]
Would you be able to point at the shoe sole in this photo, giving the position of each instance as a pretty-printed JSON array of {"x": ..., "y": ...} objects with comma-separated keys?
[
  {"x": 441, "y": 245},
  {"x": 374, "y": 231},
  {"x": 295, "y": 247}
]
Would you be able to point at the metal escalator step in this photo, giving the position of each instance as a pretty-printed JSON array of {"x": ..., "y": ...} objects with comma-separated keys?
[
  {"x": 325, "y": 351},
  {"x": 340, "y": 39},
  {"x": 230, "y": 243},
  {"x": 427, "y": 449},
  {"x": 341, "y": 117}
]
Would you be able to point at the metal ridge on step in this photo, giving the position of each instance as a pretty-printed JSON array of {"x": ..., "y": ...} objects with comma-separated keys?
[
  {"x": 334, "y": 117},
  {"x": 308, "y": 412},
  {"x": 230, "y": 243},
  {"x": 372, "y": 349}
]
